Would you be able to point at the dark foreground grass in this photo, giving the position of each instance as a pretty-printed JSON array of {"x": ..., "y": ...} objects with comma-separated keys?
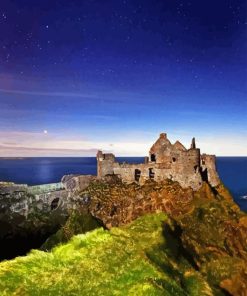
[{"x": 130, "y": 260}]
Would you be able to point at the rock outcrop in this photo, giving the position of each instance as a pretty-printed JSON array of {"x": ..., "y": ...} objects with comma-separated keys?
[
  {"x": 214, "y": 236},
  {"x": 116, "y": 203},
  {"x": 207, "y": 225},
  {"x": 28, "y": 215}
]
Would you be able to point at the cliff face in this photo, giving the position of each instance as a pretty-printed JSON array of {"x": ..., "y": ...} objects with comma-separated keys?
[
  {"x": 205, "y": 235},
  {"x": 134, "y": 259},
  {"x": 29, "y": 215},
  {"x": 208, "y": 226},
  {"x": 116, "y": 203},
  {"x": 214, "y": 236}
]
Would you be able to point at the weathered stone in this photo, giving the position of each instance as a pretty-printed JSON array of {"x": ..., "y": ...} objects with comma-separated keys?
[
  {"x": 31, "y": 211},
  {"x": 165, "y": 161},
  {"x": 76, "y": 183}
]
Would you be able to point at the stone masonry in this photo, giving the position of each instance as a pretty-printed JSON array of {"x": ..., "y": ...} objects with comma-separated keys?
[{"x": 165, "y": 161}]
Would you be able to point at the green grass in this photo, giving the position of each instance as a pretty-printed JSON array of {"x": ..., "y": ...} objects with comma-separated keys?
[
  {"x": 130, "y": 260},
  {"x": 79, "y": 221}
]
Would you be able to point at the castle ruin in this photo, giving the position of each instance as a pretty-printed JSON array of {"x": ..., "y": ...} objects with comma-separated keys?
[{"x": 165, "y": 161}]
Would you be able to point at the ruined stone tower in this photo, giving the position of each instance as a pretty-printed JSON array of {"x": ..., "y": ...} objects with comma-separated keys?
[{"x": 165, "y": 161}]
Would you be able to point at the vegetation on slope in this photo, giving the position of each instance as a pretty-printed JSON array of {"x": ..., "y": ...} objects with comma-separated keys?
[
  {"x": 79, "y": 221},
  {"x": 130, "y": 260},
  {"x": 214, "y": 236},
  {"x": 199, "y": 250}
]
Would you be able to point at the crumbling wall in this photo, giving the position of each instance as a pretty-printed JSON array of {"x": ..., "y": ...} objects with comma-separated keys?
[
  {"x": 208, "y": 168},
  {"x": 105, "y": 164},
  {"x": 160, "y": 152},
  {"x": 76, "y": 183},
  {"x": 185, "y": 168},
  {"x": 165, "y": 161},
  {"x": 43, "y": 188},
  {"x": 128, "y": 172}
]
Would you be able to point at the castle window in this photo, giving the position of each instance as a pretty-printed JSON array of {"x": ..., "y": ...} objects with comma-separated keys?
[
  {"x": 151, "y": 174},
  {"x": 173, "y": 159},
  {"x": 137, "y": 175},
  {"x": 195, "y": 168},
  {"x": 204, "y": 174},
  {"x": 153, "y": 157},
  {"x": 54, "y": 203}
]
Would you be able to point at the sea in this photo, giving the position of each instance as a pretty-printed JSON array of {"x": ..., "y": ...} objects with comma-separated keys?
[{"x": 43, "y": 170}]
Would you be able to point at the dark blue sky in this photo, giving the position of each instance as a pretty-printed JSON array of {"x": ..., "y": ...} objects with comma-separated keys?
[{"x": 113, "y": 74}]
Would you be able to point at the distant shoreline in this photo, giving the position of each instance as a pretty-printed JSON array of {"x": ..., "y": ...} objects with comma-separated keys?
[{"x": 12, "y": 158}]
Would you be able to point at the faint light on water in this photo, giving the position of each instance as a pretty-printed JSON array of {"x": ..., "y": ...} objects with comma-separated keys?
[{"x": 44, "y": 171}]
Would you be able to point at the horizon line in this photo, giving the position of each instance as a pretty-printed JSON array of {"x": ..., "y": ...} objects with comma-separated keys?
[{"x": 75, "y": 156}]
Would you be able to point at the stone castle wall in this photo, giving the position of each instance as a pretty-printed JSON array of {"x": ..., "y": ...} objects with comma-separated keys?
[
  {"x": 208, "y": 167},
  {"x": 44, "y": 188},
  {"x": 105, "y": 164},
  {"x": 165, "y": 161}
]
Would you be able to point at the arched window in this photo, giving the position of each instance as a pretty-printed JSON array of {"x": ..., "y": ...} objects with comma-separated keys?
[
  {"x": 153, "y": 157},
  {"x": 54, "y": 203}
]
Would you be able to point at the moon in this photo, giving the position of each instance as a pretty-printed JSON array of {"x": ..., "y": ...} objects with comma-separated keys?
[{"x": 45, "y": 132}]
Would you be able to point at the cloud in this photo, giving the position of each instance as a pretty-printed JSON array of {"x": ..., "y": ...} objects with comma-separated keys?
[
  {"x": 9, "y": 144},
  {"x": 25, "y": 144},
  {"x": 224, "y": 145},
  {"x": 50, "y": 94},
  {"x": 19, "y": 151},
  {"x": 40, "y": 144},
  {"x": 100, "y": 96}
]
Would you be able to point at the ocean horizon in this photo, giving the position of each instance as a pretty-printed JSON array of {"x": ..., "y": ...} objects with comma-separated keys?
[{"x": 43, "y": 170}]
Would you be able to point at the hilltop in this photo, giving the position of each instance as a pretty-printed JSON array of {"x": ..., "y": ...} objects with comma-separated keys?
[{"x": 139, "y": 236}]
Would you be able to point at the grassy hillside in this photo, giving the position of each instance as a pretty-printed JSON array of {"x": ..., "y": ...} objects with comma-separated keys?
[{"x": 130, "y": 260}]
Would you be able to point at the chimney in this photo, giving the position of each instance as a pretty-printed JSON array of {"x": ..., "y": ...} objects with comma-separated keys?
[{"x": 193, "y": 144}]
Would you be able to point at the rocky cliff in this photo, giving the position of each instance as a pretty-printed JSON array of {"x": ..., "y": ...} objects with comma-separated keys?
[
  {"x": 207, "y": 227},
  {"x": 204, "y": 227},
  {"x": 28, "y": 215},
  {"x": 205, "y": 233}
]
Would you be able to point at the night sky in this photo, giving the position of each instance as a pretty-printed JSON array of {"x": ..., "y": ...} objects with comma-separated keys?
[{"x": 76, "y": 76}]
